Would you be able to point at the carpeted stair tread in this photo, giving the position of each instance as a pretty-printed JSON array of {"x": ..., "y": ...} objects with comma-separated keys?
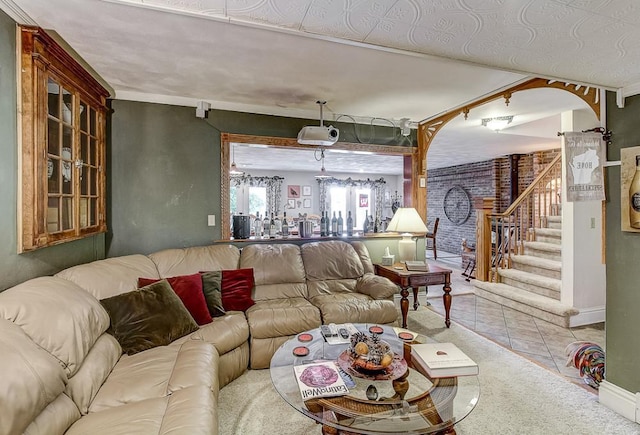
[
  {"x": 532, "y": 278},
  {"x": 530, "y": 299},
  {"x": 554, "y": 219},
  {"x": 544, "y": 246},
  {"x": 549, "y": 232},
  {"x": 542, "y": 263}
]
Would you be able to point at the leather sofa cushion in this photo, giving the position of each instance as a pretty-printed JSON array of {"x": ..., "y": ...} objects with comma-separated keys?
[
  {"x": 355, "y": 308},
  {"x": 330, "y": 286},
  {"x": 378, "y": 287},
  {"x": 262, "y": 350},
  {"x": 365, "y": 258},
  {"x": 190, "y": 411},
  {"x": 58, "y": 315},
  {"x": 151, "y": 316},
  {"x": 159, "y": 372},
  {"x": 185, "y": 261},
  {"x": 225, "y": 333},
  {"x": 280, "y": 317},
  {"x": 55, "y": 419},
  {"x": 30, "y": 379},
  {"x": 331, "y": 260},
  {"x": 278, "y": 270},
  {"x": 112, "y": 276},
  {"x": 96, "y": 367}
]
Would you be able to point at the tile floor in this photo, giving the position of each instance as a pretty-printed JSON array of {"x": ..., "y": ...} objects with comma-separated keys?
[{"x": 535, "y": 339}]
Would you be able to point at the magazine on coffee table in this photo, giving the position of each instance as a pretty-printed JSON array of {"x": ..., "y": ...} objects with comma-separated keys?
[{"x": 321, "y": 379}]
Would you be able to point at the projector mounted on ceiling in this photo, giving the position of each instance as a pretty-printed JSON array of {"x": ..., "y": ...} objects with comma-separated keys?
[{"x": 318, "y": 135}]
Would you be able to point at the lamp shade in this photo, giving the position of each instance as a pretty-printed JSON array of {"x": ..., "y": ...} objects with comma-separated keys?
[{"x": 407, "y": 220}]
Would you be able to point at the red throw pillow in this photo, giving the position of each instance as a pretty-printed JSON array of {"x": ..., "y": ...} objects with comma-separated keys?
[
  {"x": 189, "y": 290},
  {"x": 236, "y": 289}
]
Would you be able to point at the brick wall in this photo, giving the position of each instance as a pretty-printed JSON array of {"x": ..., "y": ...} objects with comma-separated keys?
[{"x": 486, "y": 179}]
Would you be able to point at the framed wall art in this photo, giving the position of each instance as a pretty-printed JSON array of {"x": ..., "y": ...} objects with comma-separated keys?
[
  {"x": 306, "y": 190},
  {"x": 630, "y": 190},
  {"x": 307, "y": 203},
  {"x": 293, "y": 191}
]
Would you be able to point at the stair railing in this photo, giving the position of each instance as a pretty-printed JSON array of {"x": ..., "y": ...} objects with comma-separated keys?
[{"x": 503, "y": 234}]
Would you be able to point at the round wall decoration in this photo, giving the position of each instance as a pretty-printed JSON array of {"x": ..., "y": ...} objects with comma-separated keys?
[{"x": 457, "y": 205}]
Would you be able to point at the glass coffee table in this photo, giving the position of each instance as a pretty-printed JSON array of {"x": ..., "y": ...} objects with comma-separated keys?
[{"x": 411, "y": 403}]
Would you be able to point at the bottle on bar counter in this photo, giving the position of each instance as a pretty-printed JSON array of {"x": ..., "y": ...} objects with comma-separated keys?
[
  {"x": 257, "y": 226},
  {"x": 278, "y": 226},
  {"x": 266, "y": 224},
  {"x": 272, "y": 228},
  {"x": 340, "y": 223},
  {"x": 323, "y": 226},
  {"x": 365, "y": 226},
  {"x": 285, "y": 226},
  {"x": 349, "y": 224},
  {"x": 334, "y": 225}
]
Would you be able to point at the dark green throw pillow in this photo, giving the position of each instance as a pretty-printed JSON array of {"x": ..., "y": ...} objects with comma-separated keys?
[
  {"x": 212, "y": 288},
  {"x": 148, "y": 317}
]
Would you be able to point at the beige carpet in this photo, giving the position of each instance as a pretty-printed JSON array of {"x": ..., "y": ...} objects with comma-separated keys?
[{"x": 516, "y": 396}]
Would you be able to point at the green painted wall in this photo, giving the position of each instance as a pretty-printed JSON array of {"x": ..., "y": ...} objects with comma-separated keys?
[
  {"x": 16, "y": 268},
  {"x": 164, "y": 171},
  {"x": 623, "y": 254}
]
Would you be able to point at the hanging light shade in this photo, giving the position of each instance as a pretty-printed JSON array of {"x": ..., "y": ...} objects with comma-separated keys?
[
  {"x": 233, "y": 169},
  {"x": 322, "y": 175}
]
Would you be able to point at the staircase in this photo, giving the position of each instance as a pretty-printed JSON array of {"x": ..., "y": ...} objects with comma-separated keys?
[
  {"x": 532, "y": 285},
  {"x": 526, "y": 263}
]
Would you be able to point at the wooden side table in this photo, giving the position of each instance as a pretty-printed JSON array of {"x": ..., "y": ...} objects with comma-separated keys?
[{"x": 406, "y": 279}]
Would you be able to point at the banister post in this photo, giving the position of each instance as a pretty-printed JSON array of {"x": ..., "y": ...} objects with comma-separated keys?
[{"x": 484, "y": 208}]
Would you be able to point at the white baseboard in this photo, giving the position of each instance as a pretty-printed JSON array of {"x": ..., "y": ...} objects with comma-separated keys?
[
  {"x": 618, "y": 399},
  {"x": 588, "y": 316}
]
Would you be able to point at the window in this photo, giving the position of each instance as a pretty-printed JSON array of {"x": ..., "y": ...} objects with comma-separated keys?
[
  {"x": 248, "y": 200},
  {"x": 360, "y": 197},
  {"x": 354, "y": 199},
  {"x": 63, "y": 135}
]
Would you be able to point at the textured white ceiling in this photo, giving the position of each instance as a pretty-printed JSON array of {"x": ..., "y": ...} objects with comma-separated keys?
[{"x": 368, "y": 58}]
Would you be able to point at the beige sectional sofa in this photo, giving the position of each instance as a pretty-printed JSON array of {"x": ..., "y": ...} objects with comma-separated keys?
[{"x": 62, "y": 371}]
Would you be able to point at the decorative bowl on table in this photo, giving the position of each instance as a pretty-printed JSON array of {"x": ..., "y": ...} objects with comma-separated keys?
[{"x": 369, "y": 353}]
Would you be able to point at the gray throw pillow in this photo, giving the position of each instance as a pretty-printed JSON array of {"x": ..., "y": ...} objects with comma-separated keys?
[{"x": 148, "y": 317}]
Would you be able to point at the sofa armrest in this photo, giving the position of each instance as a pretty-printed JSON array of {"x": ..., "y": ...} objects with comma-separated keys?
[{"x": 377, "y": 287}]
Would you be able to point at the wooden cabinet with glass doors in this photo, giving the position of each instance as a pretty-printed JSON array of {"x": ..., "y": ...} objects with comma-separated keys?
[{"x": 63, "y": 145}]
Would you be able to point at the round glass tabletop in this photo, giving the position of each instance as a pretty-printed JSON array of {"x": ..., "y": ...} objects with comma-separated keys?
[{"x": 394, "y": 402}]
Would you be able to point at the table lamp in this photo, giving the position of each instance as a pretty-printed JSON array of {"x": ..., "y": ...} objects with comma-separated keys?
[{"x": 406, "y": 221}]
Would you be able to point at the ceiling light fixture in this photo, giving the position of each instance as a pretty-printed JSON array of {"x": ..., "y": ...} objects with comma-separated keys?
[
  {"x": 314, "y": 135},
  {"x": 322, "y": 175},
  {"x": 497, "y": 123},
  {"x": 233, "y": 170}
]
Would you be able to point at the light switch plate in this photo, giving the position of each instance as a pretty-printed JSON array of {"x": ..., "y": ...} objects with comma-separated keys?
[
  {"x": 423, "y": 182},
  {"x": 211, "y": 220}
]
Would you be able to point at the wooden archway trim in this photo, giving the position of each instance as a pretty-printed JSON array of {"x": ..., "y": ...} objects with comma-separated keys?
[{"x": 428, "y": 129}]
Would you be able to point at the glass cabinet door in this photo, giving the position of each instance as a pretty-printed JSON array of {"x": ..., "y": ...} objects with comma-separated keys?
[{"x": 62, "y": 143}]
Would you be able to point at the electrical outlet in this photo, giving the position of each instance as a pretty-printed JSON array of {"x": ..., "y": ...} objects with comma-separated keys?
[{"x": 211, "y": 220}]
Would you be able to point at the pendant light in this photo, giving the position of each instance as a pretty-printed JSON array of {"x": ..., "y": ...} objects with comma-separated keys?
[
  {"x": 233, "y": 170},
  {"x": 322, "y": 175}
]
